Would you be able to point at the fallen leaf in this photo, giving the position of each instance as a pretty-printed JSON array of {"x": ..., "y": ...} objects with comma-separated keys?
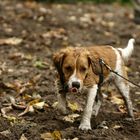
[
  {"x": 35, "y": 101},
  {"x": 71, "y": 118},
  {"x": 39, "y": 105},
  {"x": 72, "y": 18},
  {"x": 23, "y": 137},
  {"x": 28, "y": 109},
  {"x": 86, "y": 18},
  {"x": 110, "y": 24},
  {"x": 5, "y": 133},
  {"x": 35, "y": 79},
  {"x": 21, "y": 55},
  {"x": 15, "y": 105},
  {"x": 54, "y": 105},
  {"x": 4, "y": 110},
  {"x": 137, "y": 93},
  {"x": 122, "y": 109},
  {"x": 16, "y": 55},
  {"x": 103, "y": 125},
  {"x": 36, "y": 96},
  {"x": 117, "y": 126},
  {"x": 11, "y": 119},
  {"x": 40, "y": 64},
  {"x": 117, "y": 100},
  {"x": 55, "y": 135},
  {"x": 75, "y": 139},
  {"x": 11, "y": 41},
  {"x": 27, "y": 97},
  {"x": 74, "y": 107},
  {"x": 47, "y": 136},
  {"x": 59, "y": 33}
]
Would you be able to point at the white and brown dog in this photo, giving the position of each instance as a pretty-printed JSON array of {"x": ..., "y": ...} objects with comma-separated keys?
[{"x": 79, "y": 69}]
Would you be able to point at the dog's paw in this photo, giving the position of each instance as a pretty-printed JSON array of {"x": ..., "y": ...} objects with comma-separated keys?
[{"x": 84, "y": 126}]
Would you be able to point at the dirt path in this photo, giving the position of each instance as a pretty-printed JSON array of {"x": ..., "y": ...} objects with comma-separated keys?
[{"x": 26, "y": 69}]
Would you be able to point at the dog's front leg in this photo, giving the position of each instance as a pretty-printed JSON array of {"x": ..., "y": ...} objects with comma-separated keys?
[
  {"x": 85, "y": 122},
  {"x": 62, "y": 103}
]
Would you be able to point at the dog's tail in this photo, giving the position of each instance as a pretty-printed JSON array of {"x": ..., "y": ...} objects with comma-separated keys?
[{"x": 127, "y": 52}]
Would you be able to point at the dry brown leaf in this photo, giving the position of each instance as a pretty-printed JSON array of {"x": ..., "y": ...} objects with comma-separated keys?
[
  {"x": 35, "y": 79},
  {"x": 4, "y": 110},
  {"x": 12, "y": 119},
  {"x": 59, "y": 33},
  {"x": 5, "y": 133},
  {"x": 55, "y": 135},
  {"x": 117, "y": 126},
  {"x": 54, "y": 105},
  {"x": 27, "y": 97},
  {"x": 71, "y": 118},
  {"x": 122, "y": 109},
  {"x": 137, "y": 93},
  {"x": 11, "y": 41},
  {"x": 103, "y": 125},
  {"x": 21, "y": 55},
  {"x": 28, "y": 109},
  {"x": 39, "y": 105},
  {"x": 117, "y": 100},
  {"x": 16, "y": 55},
  {"x": 17, "y": 85},
  {"x": 47, "y": 136},
  {"x": 31, "y": 4},
  {"x": 23, "y": 137},
  {"x": 75, "y": 139},
  {"x": 34, "y": 102},
  {"x": 86, "y": 18},
  {"x": 110, "y": 24},
  {"x": 72, "y": 18}
]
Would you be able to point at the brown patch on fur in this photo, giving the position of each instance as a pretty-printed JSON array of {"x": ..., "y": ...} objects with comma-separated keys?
[
  {"x": 95, "y": 53},
  {"x": 86, "y": 63}
]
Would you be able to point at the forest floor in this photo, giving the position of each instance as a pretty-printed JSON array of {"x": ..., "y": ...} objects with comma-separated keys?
[{"x": 30, "y": 32}]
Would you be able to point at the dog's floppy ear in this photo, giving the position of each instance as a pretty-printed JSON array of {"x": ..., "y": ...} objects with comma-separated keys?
[
  {"x": 58, "y": 59},
  {"x": 94, "y": 63}
]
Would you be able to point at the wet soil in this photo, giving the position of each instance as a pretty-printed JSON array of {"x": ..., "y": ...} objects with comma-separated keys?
[{"x": 45, "y": 28}]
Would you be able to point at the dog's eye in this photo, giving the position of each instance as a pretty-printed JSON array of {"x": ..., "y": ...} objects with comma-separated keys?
[
  {"x": 83, "y": 69},
  {"x": 68, "y": 68}
]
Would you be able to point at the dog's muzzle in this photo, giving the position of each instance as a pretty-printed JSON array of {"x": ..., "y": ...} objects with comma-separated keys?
[{"x": 75, "y": 87}]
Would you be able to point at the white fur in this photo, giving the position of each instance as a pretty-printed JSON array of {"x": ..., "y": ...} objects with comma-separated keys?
[
  {"x": 119, "y": 82},
  {"x": 126, "y": 52},
  {"x": 85, "y": 122},
  {"x": 73, "y": 78},
  {"x": 118, "y": 67}
]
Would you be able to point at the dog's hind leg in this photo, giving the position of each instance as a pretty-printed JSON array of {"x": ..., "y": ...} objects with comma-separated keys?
[{"x": 123, "y": 87}]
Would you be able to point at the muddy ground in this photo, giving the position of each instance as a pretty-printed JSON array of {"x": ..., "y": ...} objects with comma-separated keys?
[{"x": 26, "y": 67}]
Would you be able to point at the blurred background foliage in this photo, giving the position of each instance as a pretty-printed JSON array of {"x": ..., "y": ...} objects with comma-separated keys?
[{"x": 94, "y": 1}]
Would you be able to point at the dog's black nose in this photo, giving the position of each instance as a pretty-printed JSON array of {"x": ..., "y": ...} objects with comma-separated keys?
[{"x": 76, "y": 84}]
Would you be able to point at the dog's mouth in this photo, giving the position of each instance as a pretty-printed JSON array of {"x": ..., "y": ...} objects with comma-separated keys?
[{"x": 73, "y": 90}]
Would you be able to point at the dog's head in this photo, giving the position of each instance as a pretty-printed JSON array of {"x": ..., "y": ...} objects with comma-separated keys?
[{"x": 72, "y": 65}]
